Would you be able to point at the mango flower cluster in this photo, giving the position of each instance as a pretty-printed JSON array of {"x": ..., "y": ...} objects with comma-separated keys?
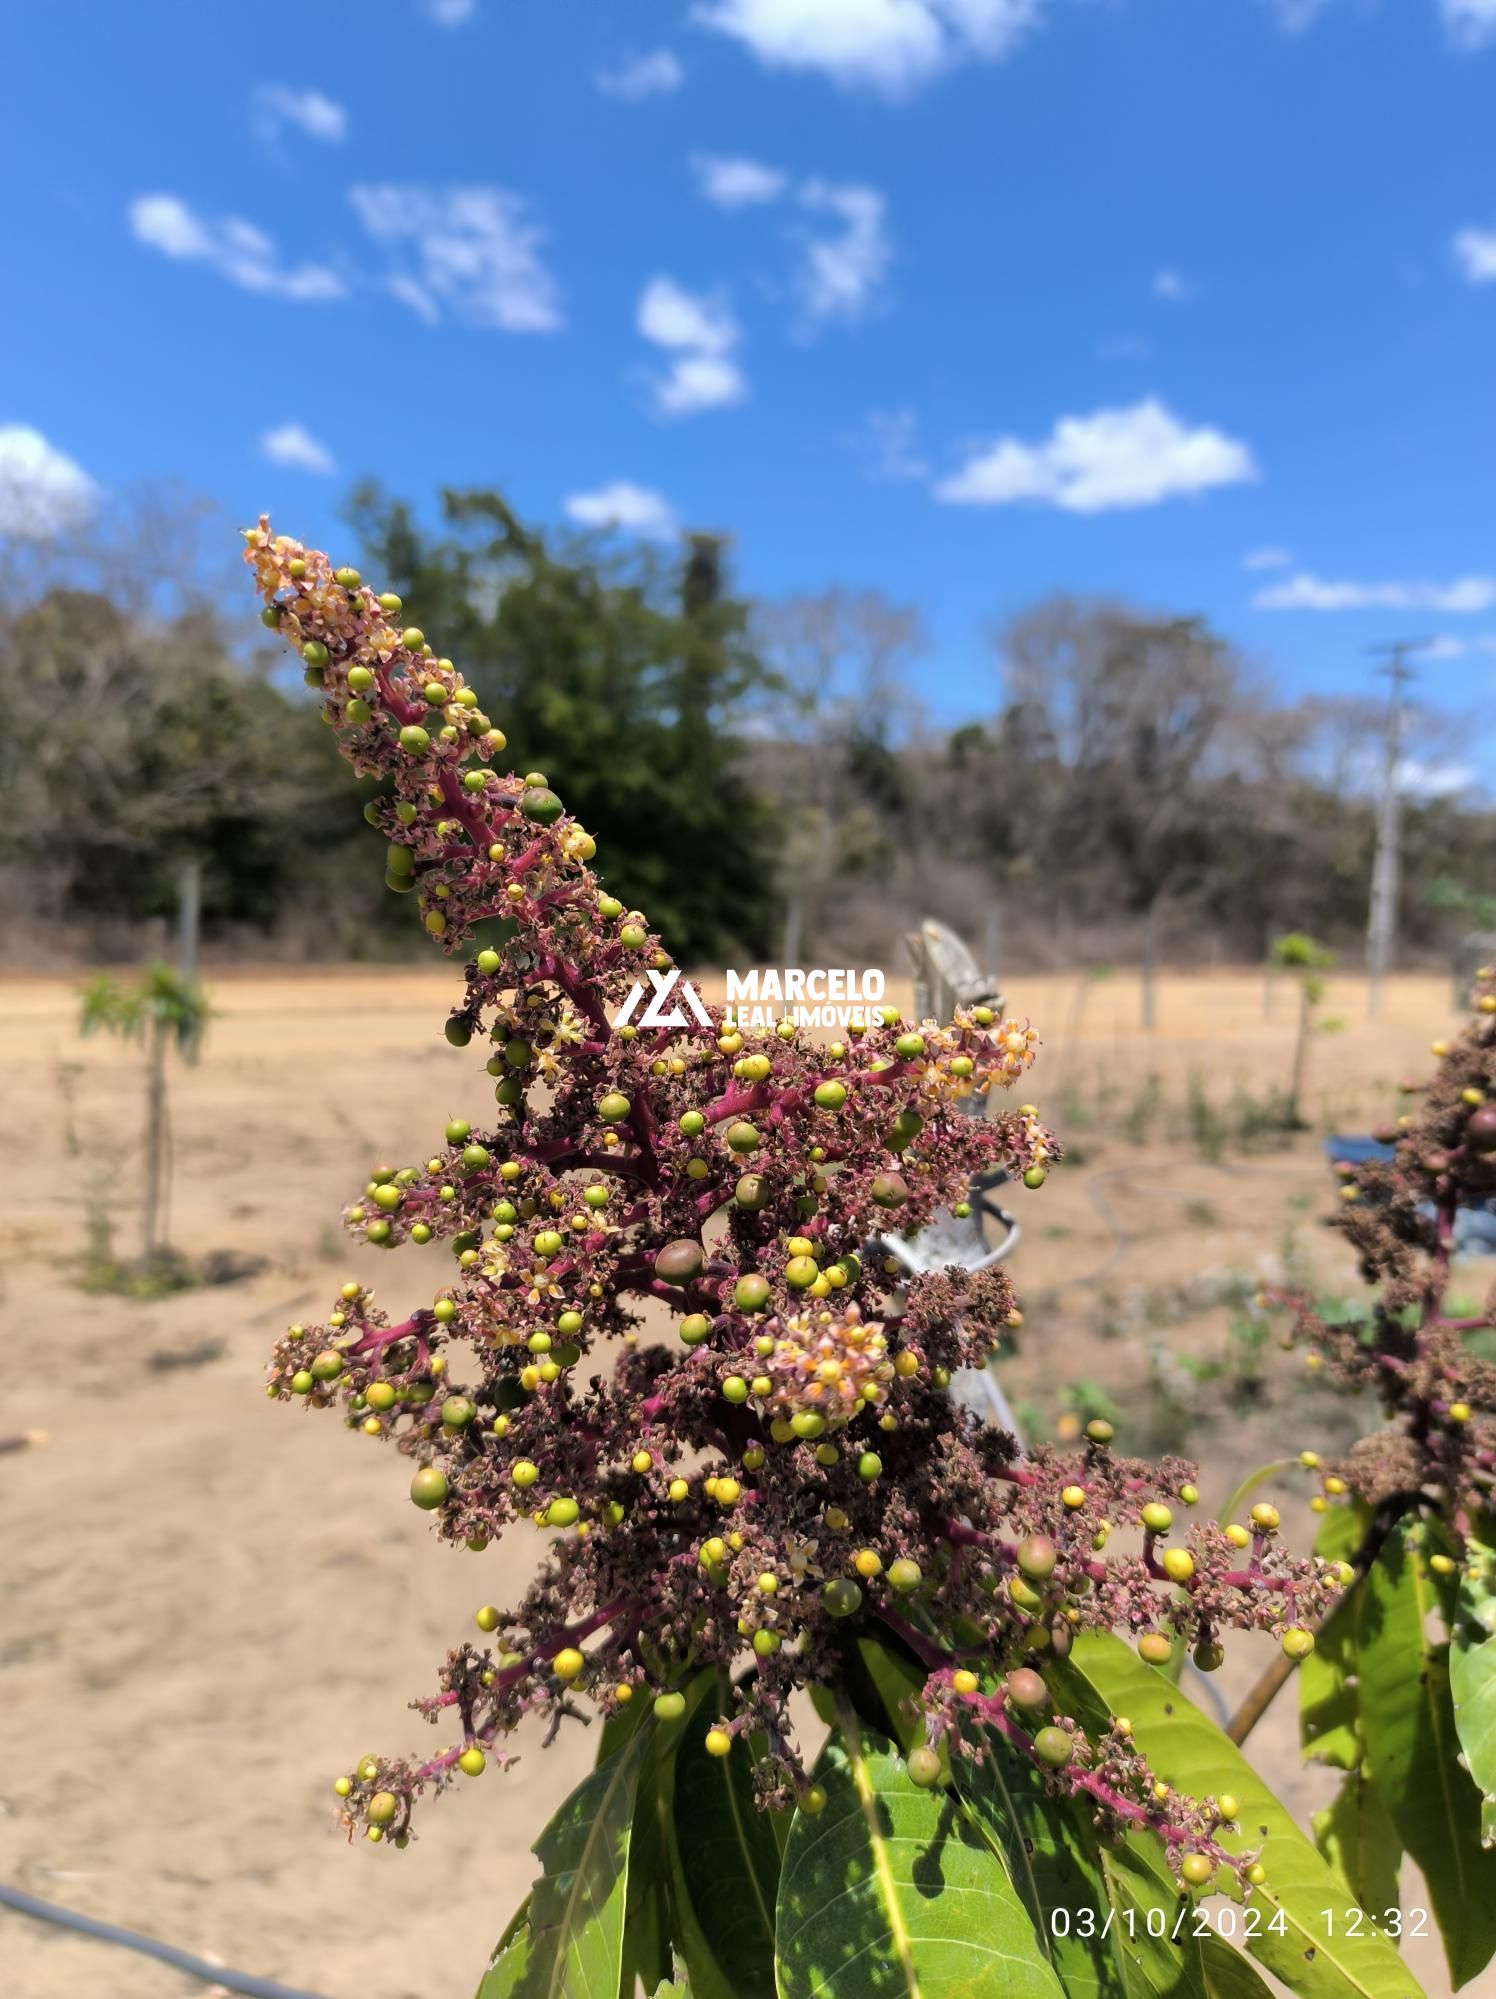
[
  {"x": 1400, "y": 1216},
  {"x": 786, "y": 1468}
]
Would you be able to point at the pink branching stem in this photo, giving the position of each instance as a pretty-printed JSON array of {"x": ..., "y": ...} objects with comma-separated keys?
[
  {"x": 482, "y": 831},
  {"x": 509, "y": 1676},
  {"x": 924, "y": 1649}
]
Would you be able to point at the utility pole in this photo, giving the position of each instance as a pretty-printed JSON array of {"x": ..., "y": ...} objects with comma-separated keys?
[
  {"x": 1381, "y": 927},
  {"x": 189, "y": 924}
]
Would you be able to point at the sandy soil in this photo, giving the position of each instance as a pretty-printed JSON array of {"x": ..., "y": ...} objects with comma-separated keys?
[{"x": 209, "y": 1605}]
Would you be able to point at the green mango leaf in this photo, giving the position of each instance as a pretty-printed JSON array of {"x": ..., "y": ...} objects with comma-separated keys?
[
  {"x": 1407, "y": 1714},
  {"x": 724, "y": 1859},
  {"x": 567, "y": 1941},
  {"x": 1324, "y": 1947},
  {"x": 1163, "y": 1945},
  {"x": 650, "y": 1928},
  {"x": 511, "y": 1957},
  {"x": 1361, "y": 1843},
  {"x": 1355, "y": 1834},
  {"x": 1111, "y": 1914},
  {"x": 880, "y": 1674},
  {"x": 1052, "y": 1858},
  {"x": 1472, "y": 1675},
  {"x": 620, "y": 1727},
  {"x": 649, "y": 1919},
  {"x": 893, "y": 1890},
  {"x": 1329, "y": 1703},
  {"x": 1229, "y": 1975}
]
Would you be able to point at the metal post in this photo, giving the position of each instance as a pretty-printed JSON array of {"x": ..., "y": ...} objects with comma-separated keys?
[
  {"x": 794, "y": 926},
  {"x": 992, "y": 955},
  {"x": 189, "y": 925},
  {"x": 1381, "y": 928}
]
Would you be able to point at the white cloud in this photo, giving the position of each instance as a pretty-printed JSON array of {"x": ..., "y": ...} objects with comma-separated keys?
[
  {"x": 637, "y": 77},
  {"x": 42, "y": 490},
  {"x": 671, "y": 316},
  {"x": 449, "y": 13},
  {"x": 1172, "y": 285},
  {"x": 1475, "y": 252},
  {"x": 889, "y": 444},
  {"x": 292, "y": 445},
  {"x": 1266, "y": 558},
  {"x": 476, "y": 252},
  {"x": 842, "y": 273},
  {"x": 638, "y": 509},
  {"x": 1131, "y": 457},
  {"x": 1447, "y": 647},
  {"x": 736, "y": 182},
  {"x": 1470, "y": 24},
  {"x": 699, "y": 382},
  {"x": 892, "y": 46},
  {"x": 237, "y": 250},
  {"x": 1306, "y": 592},
  {"x": 698, "y": 331},
  {"x": 1434, "y": 780},
  {"x": 308, "y": 110}
]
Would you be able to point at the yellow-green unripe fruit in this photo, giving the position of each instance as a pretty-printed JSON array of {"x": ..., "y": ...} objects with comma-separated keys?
[
  {"x": 1037, "y": 1557},
  {"x": 924, "y": 1767},
  {"x": 1054, "y": 1747}
]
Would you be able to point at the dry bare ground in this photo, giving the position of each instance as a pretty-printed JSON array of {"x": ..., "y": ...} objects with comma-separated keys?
[{"x": 210, "y": 1604}]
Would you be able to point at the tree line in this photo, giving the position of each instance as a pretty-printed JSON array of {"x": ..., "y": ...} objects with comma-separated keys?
[{"x": 761, "y": 776}]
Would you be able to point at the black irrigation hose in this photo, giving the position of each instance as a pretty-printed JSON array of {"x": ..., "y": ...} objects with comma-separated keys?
[{"x": 195, "y": 1967}]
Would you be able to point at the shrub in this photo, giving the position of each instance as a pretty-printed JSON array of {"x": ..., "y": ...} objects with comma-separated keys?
[{"x": 164, "y": 1011}]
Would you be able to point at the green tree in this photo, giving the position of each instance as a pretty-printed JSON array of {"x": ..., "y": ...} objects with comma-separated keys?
[
  {"x": 163, "y": 1011},
  {"x": 174, "y": 751},
  {"x": 627, "y": 672},
  {"x": 1309, "y": 960}
]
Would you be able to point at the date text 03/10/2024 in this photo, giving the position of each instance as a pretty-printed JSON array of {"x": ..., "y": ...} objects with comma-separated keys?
[{"x": 1191, "y": 1920}]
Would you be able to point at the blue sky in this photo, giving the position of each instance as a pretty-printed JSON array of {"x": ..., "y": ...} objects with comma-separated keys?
[{"x": 1190, "y": 300}]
